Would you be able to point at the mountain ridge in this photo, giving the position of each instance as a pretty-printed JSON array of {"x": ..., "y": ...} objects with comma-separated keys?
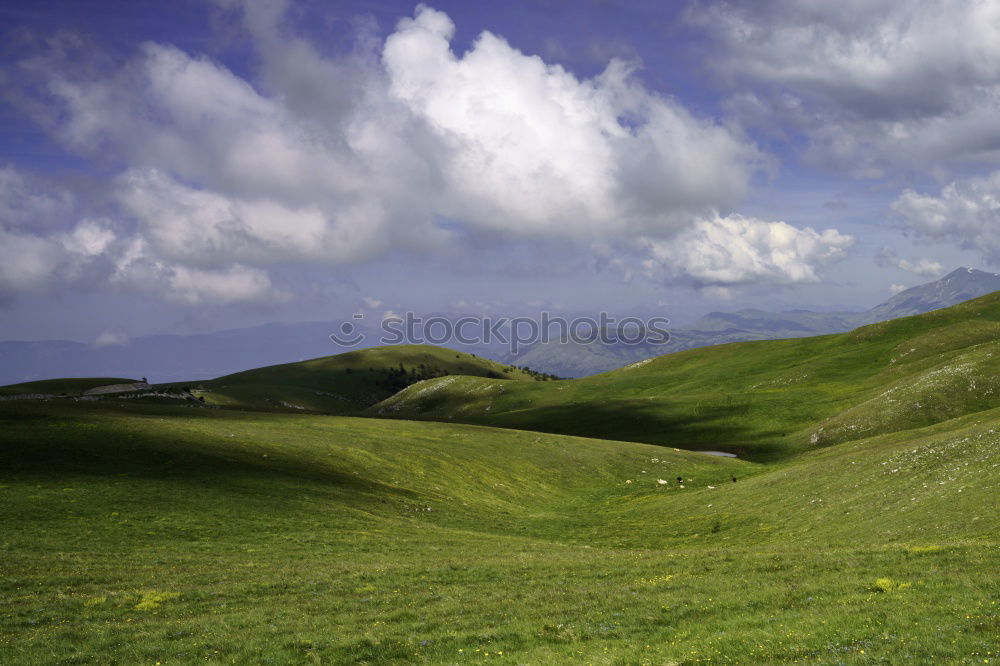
[
  {"x": 177, "y": 358},
  {"x": 758, "y": 399},
  {"x": 570, "y": 360}
]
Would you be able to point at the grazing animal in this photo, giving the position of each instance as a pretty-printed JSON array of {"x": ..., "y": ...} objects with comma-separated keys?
[
  {"x": 734, "y": 479},
  {"x": 680, "y": 480}
]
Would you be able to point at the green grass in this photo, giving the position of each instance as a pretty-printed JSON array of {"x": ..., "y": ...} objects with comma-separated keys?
[
  {"x": 74, "y": 386},
  {"x": 862, "y": 528},
  {"x": 347, "y": 383},
  {"x": 763, "y": 400},
  {"x": 145, "y": 533}
]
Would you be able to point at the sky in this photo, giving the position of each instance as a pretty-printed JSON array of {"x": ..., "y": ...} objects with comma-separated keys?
[{"x": 193, "y": 166}]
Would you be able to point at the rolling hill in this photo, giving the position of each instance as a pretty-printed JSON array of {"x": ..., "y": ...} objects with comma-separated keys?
[
  {"x": 138, "y": 533},
  {"x": 859, "y": 527},
  {"x": 762, "y": 400},
  {"x": 569, "y": 359},
  {"x": 181, "y": 358},
  {"x": 349, "y": 382},
  {"x": 61, "y": 386}
]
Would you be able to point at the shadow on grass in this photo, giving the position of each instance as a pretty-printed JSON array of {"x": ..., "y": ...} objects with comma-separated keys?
[
  {"x": 34, "y": 443},
  {"x": 724, "y": 427}
]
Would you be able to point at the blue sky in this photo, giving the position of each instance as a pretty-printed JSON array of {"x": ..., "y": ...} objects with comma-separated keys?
[{"x": 192, "y": 166}]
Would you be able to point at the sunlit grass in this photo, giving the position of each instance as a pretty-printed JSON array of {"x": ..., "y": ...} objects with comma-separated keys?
[
  {"x": 764, "y": 400},
  {"x": 144, "y": 534}
]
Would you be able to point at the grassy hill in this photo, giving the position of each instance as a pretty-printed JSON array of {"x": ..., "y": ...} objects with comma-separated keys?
[
  {"x": 764, "y": 400},
  {"x": 571, "y": 359},
  {"x": 342, "y": 384},
  {"x": 139, "y": 533},
  {"x": 861, "y": 528},
  {"x": 349, "y": 382},
  {"x": 73, "y": 386}
]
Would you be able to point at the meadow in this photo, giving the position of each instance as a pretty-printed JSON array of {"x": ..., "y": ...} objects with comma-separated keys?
[
  {"x": 146, "y": 532},
  {"x": 350, "y": 382},
  {"x": 765, "y": 400}
]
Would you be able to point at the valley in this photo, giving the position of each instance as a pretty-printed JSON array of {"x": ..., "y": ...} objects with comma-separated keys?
[{"x": 144, "y": 531}]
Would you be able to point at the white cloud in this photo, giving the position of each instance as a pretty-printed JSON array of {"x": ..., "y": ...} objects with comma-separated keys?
[
  {"x": 734, "y": 250},
  {"x": 26, "y": 261},
  {"x": 887, "y": 257},
  {"x": 966, "y": 213},
  {"x": 203, "y": 227},
  {"x": 531, "y": 148},
  {"x": 90, "y": 238},
  {"x": 139, "y": 268},
  {"x": 401, "y": 145},
  {"x": 232, "y": 285},
  {"x": 90, "y": 254},
  {"x": 40, "y": 242},
  {"x": 110, "y": 339},
  {"x": 193, "y": 118},
  {"x": 717, "y": 293},
  {"x": 27, "y": 202},
  {"x": 33, "y": 262},
  {"x": 896, "y": 288},
  {"x": 876, "y": 84},
  {"x": 337, "y": 160}
]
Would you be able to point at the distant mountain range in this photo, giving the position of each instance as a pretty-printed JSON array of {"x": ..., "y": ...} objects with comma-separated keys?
[
  {"x": 568, "y": 359},
  {"x": 177, "y": 358},
  {"x": 166, "y": 358}
]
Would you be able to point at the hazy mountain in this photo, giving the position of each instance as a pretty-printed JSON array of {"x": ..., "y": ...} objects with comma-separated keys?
[
  {"x": 169, "y": 358},
  {"x": 165, "y": 358},
  {"x": 959, "y": 285},
  {"x": 568, "y": 359}
]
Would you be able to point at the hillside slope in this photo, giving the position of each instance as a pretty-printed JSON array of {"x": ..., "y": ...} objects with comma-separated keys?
[
  {"x": 74, "y": 386},
  {"x": 763, "y": 399},
  {"x": 960, "y": 285},
  {"x": 144, "y": 533},
  {"x": 569, "y": 359},
  {"x": 348, "y": 382}
]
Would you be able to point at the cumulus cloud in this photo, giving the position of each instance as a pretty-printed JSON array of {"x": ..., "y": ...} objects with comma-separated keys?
[
  {"x": 26, "y": 261},
  {"x": 494, "y": 139},
  {"x": 203, "y": 227},
  {"x": 40, "y": 241},
  {"x": 139, "y": 268},
  {"x": 36, "y": 255},
  {"x": 888, "y": 257},
  {"x": 733, "y": 250},
  {"x": 402, "y": 144},
  {"x": 896, "y": 288},
  {"x": 965, "y": 212},
  {"x": 235, "y": 284},
  {"x": 33, "y": 262},
  {"x": 876, "y": 84},
  {"x": 583, "y": 156},
  {"x": 27, "y": 202}
]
